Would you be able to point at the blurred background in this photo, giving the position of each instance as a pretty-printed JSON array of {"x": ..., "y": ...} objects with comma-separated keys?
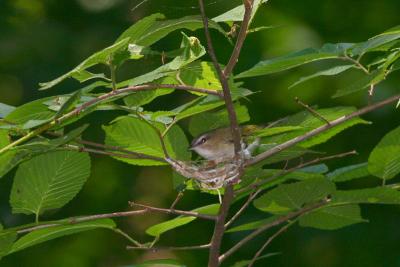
[{"x": 42, "y": 39}]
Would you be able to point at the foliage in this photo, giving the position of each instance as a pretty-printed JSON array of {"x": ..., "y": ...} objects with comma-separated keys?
[{"x": 52, "y": 161}]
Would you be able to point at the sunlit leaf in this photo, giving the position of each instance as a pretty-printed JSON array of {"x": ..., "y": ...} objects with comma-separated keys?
[
  {"x": 384, "y": 160},
  {"x": 5, "y": 110},
  {"x": 49, "y": 181},
  {"x": 158, "y": 229},
  {"x": 237, "y": 13},
  {"x": 7, "y": 239},
  {"x": 43, "y": 235},
  {"x": 200, "y": 74}
]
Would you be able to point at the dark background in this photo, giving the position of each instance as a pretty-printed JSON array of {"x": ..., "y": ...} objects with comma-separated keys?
[{"x": 42, "y": 39}]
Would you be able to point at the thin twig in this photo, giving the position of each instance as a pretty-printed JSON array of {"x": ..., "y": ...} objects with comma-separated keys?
[
  {"x": 248, "y": 5},
  {"x": 270, "y": 225},
  {"x": 251, "y": 197},
  {"x": 155, "y": 249},
  {"x": 356, "y": 62},
  {"x": 178, "y": 197},
  {"x": 174, "y": 211},
  {"x": 311, "y": 110},
  {"x": 269, "y": 240},
  {"x": 320, "y": 129}
]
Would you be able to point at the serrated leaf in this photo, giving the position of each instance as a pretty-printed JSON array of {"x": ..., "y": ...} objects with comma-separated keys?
[
  {"x": 200, "y": 74},
  {"x": 35, "y": 111},
  {"x": 136, "y": 135},
  {"x": 43, "y": 235},
  {"x": 158, "y": 229},
  {"x": 289, "y": 197},
  {"x": 158, "y": 263},
  {"x": 384, "y": 160},
  {"x": 328, "y": 72},
  {"x": 7, "y": 239},
  {"x": 100, "y": 57},
  {"x": 48, "y": 181},
  {"x": 328, "y": 51},
  {"x": 208, "y": 121},
  {"x": 348, "y": 173},
  {"x": 331, "y": 218},
  {"x": 372, "y": 79},
  {"x": 376, "y": 195}
]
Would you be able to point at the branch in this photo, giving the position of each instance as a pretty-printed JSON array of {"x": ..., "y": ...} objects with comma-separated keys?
[
  {"x": 248, "y": 5},
  {"x": 270, "y": 225},
  {"x": 320, "y": 129},
  {"x": 269, "y": 240},
  {"x": 103, "y": 97},
  {"x": 174, "y": 211},
  {"x": 156, "y": 249}
]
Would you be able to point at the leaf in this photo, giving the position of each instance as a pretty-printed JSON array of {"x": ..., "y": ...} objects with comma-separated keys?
[
  {"x": 200, "y": 74},
  {"x": 208, "y": 121},
  {"x": 158, "y": 229},
  {"x": 376, "y": 41},
  {"x": 4, "y": 138},
  {"x": 70, "y": 103},
  {"x": 288, "y": 197},
  {"x": 48, "y": 181},
  {"x": 5, "y": 110},
  {"x": 245, "y": 263},
  {"x": 332, "y": 218},
  {"x": 286, "y": 154},
  {"x": 158, "y": 263},
  {"x": 237, "y": 13},
  {"x": 328, "y": 51},
  {"x": 135, "y": 135},
  {"x": 35, "y": 111},
  {"x": 328, "y": 72},
  {"x": 7, "y": 239},
  {"x": 43, "y": 235},
  {"x": 101, "y": 57},
  {"x": 348, "y": 173},
  {"x": 151, "y": 29},
  {"x": 372, "y": 79},
  {"x": 276, "y": 130},
  {"x": 177, "y": 144},
  {"x": 253, "y": 225},
  {"x": 376, "y": 195},
  {"x": 384, "y": 160},
  {"x": 191, "y": 50}
]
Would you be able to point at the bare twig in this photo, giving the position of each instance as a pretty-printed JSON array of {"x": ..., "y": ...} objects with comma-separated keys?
[
  {"x": 269, "y": 240},
  {"x": 320, "y": 129},
  {"x": 174, "y": 211},
  {"x": 178, "y": 197},
  {"x": 311, "y": 110},
  {"x": 156, "y": 249},
  {"x": 248, "y": 5},
  {"x": 270, "y": 225}
]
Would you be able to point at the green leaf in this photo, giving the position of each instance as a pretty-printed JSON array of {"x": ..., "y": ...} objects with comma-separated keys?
[
  {"x": 377, "y": 195},
  {"x": 135, "y": 135},
  {"x": 69, "y": 104},
  {"x": 49, "y": 181},
  {"x": 158, "y": 229},
  {"x": 208, "y": 121},
  {"x": 177, "y": 143},
  {"x": 245, "y": 263},
  {"x": 253, "y": 225},
  {"x": 288, "y": 197},
  {"x": 328, "y": 72},
  {"x": 384, "y": 160},
  {"x": 376, "y": 41},
  {"x": 5, "y": 110},
  {"x": 32, "y": 114},
  {"x": 237, "y": 13},
  {"x": 276, "y": 130},
  {"x": 348, "y": 173},
  {"x": 7, "y": 239},
  {"x": 191, "y": 50},
  {"x": 43, "y": 235},
  {"x": 372, "y": 79},
  {"x": 328, "y": 51},
  {"x": 331, "y": 218},
  {"x": 101, "y": 57},
  {"x": 158, "y": 263},
  {"x": 200, "y": 74},
  {"x": 286, "y": 154},
  {"x": 4, "y": 138}
]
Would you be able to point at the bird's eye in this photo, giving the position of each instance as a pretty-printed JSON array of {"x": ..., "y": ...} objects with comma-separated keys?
[{"x": 203, "y": 140}]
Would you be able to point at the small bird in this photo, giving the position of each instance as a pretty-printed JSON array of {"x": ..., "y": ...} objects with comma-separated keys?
[{"x": 218, "y": 145}]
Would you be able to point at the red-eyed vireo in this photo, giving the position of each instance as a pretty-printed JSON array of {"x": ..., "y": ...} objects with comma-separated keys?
[{"x": 218, "y": 146}]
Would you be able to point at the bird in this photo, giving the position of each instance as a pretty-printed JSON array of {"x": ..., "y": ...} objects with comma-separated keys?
[{"x": 218, "y": 146}]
